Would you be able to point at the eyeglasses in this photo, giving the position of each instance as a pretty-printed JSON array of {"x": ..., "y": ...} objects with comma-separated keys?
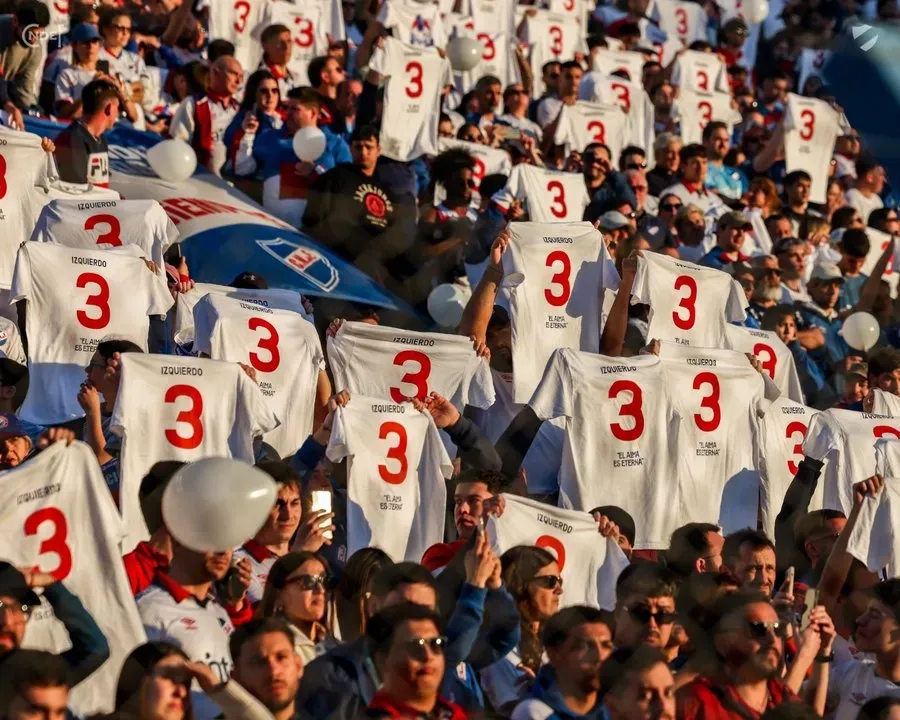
[
  {"x": 636, "y": 166},
  {"x": 761, "y": 630},
  {"x": 16, "y": 607},
  {"x": 548, "y": 582},
  {"x": 308, "y": 582},
  {"x": 416, "y": 647},
  {"x": 639, "y": 188},
  {"x": 631, "y": 216},
  {"x": 670, "y": 207},
  {"x": 644, "y": 615},
  {"x": 268, "y": 91},
  {"x": 121, "y": 28}
]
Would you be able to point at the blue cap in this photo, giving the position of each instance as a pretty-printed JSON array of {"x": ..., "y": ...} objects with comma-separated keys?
[
  {"x": 11, "y": 427},
  {"x": 84, "y": 32}
]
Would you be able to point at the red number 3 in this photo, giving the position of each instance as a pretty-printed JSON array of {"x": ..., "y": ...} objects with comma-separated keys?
[
  {"x": 113, "y": 236},
  {"x": 419, "y": 378},
  {"x": 414, "y": 82},
  {"x": 398, "y": 453},
  {"x": 56, "y": 543},
  {"x": 269, "y": 344},
  {"x": 558, "y": 206},
  {"x": 99, "y": 301},
  {"x": 190, "y": 417},
  {"x": 808, "y": 128},
  {"x": 630, "y": 409},
  {"x": 561, "y": 278},
  {"x": 688, "y": 303}
]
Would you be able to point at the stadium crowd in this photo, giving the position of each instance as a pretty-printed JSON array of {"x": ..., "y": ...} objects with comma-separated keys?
[{"x": 639, "y": 466}]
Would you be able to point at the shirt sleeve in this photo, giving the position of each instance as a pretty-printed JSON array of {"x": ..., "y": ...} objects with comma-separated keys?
[
  {"x": 553, "y": 396},
  {"x": 380, "y": 61},
  {"x": 182, "y": 127},
  {"x": 640, "y": 289},
  {"x": 160, "y": 299},
  {"x": 64, "y": 87},
  {"x": 21, "y": 286},
  {"x": 736, "y": 308},
  {"x": 203, "y": 327},
  {"x": 820, "y": 438},
  {"x": 260, "y": 418},
  {"x": 338, "y": 443},
  {"x": 479, "y": 391}
]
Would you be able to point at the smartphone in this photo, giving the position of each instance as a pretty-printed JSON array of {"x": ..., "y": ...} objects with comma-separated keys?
[
  {"x": 812, "y": 599},
  {"x": 231, "y": 583},
  {"x": 103, "y": 66},
  {"x": 789, "y": 578},
  {"x": 321, "y": 501}
]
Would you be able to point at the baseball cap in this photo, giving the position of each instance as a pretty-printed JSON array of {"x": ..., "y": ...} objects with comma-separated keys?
[
  {"x": 11, "y": 427},
  {"x": 613, "y": 220},
  {"x": 735, "y": 25},
  {"x": 12, "y": 584},
  {"x": 84, "y": 32},
  {"x": 785, "y": 244},
  {"x": 734, "y": 219},
  {"x": 250, "y": 281},
  {"x": 826, "y": 271},
  {"x": 860, "y": 369}
]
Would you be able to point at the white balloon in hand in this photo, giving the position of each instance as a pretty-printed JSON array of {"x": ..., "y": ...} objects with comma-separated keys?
[
  {"x": 217, "y": 504},
  {"x": 309, "y": 143},
  {"x": 464, "y": 53},
  {"x": 861, "y": 331},
  {"x": 172, "y": 160},
  {"x": 755, "y": 11}
]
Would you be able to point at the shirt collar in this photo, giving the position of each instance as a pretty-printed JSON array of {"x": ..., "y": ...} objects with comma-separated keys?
[
  {"x": 178, "y": 593},
  {"x": 694, "y": 189},
  {"x": 224, "y": 100},
  {"x": 277, "y": 71},
  {"x": 257, "y": 551}
]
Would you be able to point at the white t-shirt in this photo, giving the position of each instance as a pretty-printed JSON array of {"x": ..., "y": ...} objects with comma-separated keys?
[
  {"x": 689, "y": 304},
  {"x": 397, "y": 467},
  {"x": 810, "y": 64},
  {"x": 879, "y": 242},
  {"x": 852, "y": 684},
  {"x": 549, "y": 196},
  {"x": 846, "y": 438},
  {"x": 71, "y": 82},
  {"x": 811, "y": 127},
  {"x": 607, "y": 62},
  {"x": 782, "y": 431},
  {"x": 721, "y": 394},
  {"x": 865, "y": 205},
  {"x": 488, "y": 160},
  {"x": 57, "y": 514},
  {"x": 632, "y": 98},
  {"x": 632, "y": 441},
  {"x": 700, "y": 72},
  {"x": 684, "y": 20},
  {"x": 412, "y": 98},
  {"x": 282, "y": 346},
  {"x": 127, "y": 67},
  {"x": 309, "y": 30},
  {"x": 695, "y": 110},
  {"x": 417, "y": 24},
  {"x": 554, "y": 274},
  {"x": 221, "y": 114},
  {"x": 885, "y": 403},
  {"x": 587, "y": 122},
  {"x": 773, "y": 355},
  {"x": 100, "y": 224},
  {"x": 393, "y": 364},
  {"x": 874, "y": 539},
  {"x": 77, "y": 298},
  {"x": 261, "y": 560},
  {"x": 493, "y": 16},
  {"x": 235, "y": 21},
  {"x": 589, "y": 565},
  {"x": 181, "y": 408},
  {"x": 551, "y": 36}
]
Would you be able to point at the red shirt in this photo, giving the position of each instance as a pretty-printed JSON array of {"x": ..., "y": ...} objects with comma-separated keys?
[
  {"x": 438, "y": 556},
  {"x": 706, "y": 699},
  {"x": 384, "y": 706},
  {"x": 141, "y": 565}
]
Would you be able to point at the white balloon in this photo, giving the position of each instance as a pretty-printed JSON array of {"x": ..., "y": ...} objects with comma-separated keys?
[
  {"x": 464, "y": 53},
  {"x": 447, "y": 302},
  {"x": 172, "y": 160},
  {"x": 861, "y": 331},
  {"x": 309, "y": 143},
  {"x": 217, "y": 504},
  {"x": 755, "y": 11}
]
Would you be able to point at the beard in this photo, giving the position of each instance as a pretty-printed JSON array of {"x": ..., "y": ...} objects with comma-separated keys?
[{"x": 766, "y": 293}]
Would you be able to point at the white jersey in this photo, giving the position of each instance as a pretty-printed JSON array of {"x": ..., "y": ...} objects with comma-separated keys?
[
  {"x": 810, "y": 65},
  {"x": 77, "y": 298},
  {"x": 852, "y": 683},
  {"x": 701, "y": 72},
  {"x": 551, "y": 36},
  {"x": 416, "y": 24},
  {"x": 261, "y": 560},
  {"x": 846, "y": 438},
  {"x": 875, "y": 539},
  {"x": 689, "y": 304},
  {"x": 589, "y": 565},
  {"x": 865, "y": 205},
  {"x": 631, "y": 97},
  {"x": 396, "y": 491},
  {"x": 493, "y": 16},
  {"x": 885, "y": 403},
  {"x": 221, "y": 114},
  {"x": 181, "y": 408},
  {"x": 412, "y": 98},
  {"x": 782, "y": 431},
  {"x": 811, "y": 127},
  {"x": 171, "y": 614},
  {"x": 632, "y": 441},
  {"x": 609, "y": 61},
  {"x": 684, "y": 20},
  {"x": 71, "y": 82},
  {"x": 309, "y": 30},
  {"x": 878, "y": 243},
  {"x": 282, "y": 346},
  {"x": 555, "y": 275},
  {"x": 587, "y": 122},
  {"x": 393, "y": 364},
  {"x": 126, "y": 67},
  {"x": 488, "y": 160},
  {"x": 776, "y": 359},
  {"x": 59, "y": 517},
  {"x": 106, "y": 224},
  {"x": 235, "y": 21},
  {"x": 548, "y": 196},
  {"x": 695, "y": 110}
]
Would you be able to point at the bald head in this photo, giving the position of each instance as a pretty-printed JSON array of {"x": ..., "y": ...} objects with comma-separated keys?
[{"x": 225, "y": 76}]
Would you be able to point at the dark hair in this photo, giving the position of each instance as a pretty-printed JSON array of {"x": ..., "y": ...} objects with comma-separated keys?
[
  {"x": 219, "y": 48},
  {"x": 627, "y": 661},
  {"x": 774, "y": 315},
  {"x": 883, "y": 360},
  {"x": 735, "y": 541},
  {"x": 688, "y": 543},
  {"x": 383, "y": 624},
  {"x": 315, "y": 68},
  {"x": 865, "y": 164},
  {"x": 355, "y": 582},
  {"x": 597, "y": 145},
  {"x": 282, "y": 472},
  {"x": 630, "y": 150},
  {"x": 278, "y": 575},
  {"x": 82, "y": 13},
  {"x": 878, "y": 218},
  {"x": 32, "y": 12},
  {"x": 796, "y": 176},
  {"x": 620, "y": 517},
  {"x": 570, "y": 64},
  {"x": 711, "y": 127},
  {"x": 108, "y": 348},
  {"x": 365, "y": 132},
  {"x": 888, "y": 593},
  {"x": 810, "y": 523},
  {"x": 841, "y": 217},
  {"x": 13, "y": 374},
  {"x": 549, "y": 64},
  {"x": 855, "y": 242},
  {"x": 450, "y": 162},
  {"x": 95, "y": 96},
  {"x": 464, "y": 127},
  {"x": 877, "y": 708},
  {"x": 273, "y": 31},
  {"x": 107, "y": 16},
  {"x": 151, "y": 491},
  {"x": 731, "y": 603},
  {"x": 648, "y": 579},
  {"x": 557, "y": 628},
  {"x": 252, "y": 88},
  {"x": 137, "y": 667},
  {"x": 486, "y": 80},
  {"x": 306, "y": 96},
  {"x": 493, "y": 479},
  {"x": 24, "y": 669},
  {"x": 696, "y": 597},
  {"x": 694, "y": 150},
  {"x": 493, "y": 183},
  {"x": 390, "y": 577},
  {"x": 253, "y": 629},
  {"x": 520, "y": 565}
]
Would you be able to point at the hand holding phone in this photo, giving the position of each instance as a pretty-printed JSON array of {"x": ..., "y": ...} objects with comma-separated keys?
[{"x": 321, "y": 502}]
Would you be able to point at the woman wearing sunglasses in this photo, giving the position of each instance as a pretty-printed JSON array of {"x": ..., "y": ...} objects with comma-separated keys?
[
  {"x": 297, "y": 589},
  {"x": 258, "y": 112},
  {"x": 531, "y": 575}
]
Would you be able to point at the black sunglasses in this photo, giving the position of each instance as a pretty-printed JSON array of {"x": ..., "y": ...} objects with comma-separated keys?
[
  {"x": 636, "y": 166},
  {"x": 673, "y": 207},
  {"x": 548, "y": 582},
  {"x": 308, "y": 582},
  {"x": 760, "y": 630},
  {"x": 416, "y": 647},
  {"x": 644, "y": 615}
]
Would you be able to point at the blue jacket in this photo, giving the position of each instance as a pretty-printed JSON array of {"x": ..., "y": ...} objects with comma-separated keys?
[
  {"x": 614, "y": 191},
  {"x": 89, "y": 646},
  {"x": 544, "y": 690},
  {"x": 276, "y": 147},
  {"x": 716, "y": 258},
  {"x": 234, "y": 129}
]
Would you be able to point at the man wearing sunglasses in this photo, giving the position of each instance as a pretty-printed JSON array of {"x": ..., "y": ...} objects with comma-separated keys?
[
  {"x": 645, "y": 606},
  {"x": 731, "y": 231}
]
